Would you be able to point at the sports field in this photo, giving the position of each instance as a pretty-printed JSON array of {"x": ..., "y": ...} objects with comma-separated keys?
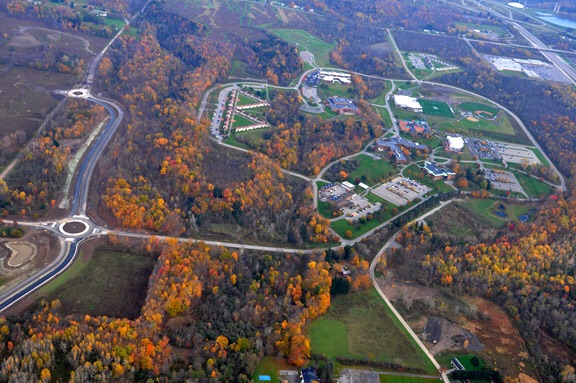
[
  {"x": 436, "y": 108},
  {"x": 477, "y": 108}
]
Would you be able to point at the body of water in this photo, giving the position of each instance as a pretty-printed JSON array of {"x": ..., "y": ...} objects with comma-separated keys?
[{"x": 560, "y": 21}]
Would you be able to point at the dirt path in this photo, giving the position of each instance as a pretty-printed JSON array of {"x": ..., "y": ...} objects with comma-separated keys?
[{"x": 84, "y": 41}]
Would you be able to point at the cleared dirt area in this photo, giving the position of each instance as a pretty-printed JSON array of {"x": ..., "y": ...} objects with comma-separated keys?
[
  {"x": 21, "y": 252},
  {"x": 12, "y": 269},
  {"x": 448, "y": 323},
  {"x": 25, "y": 98}
]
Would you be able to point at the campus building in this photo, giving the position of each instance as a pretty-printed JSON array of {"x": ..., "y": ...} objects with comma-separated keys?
[
  {"x": 454, "y": 144},
  {"x": 342, "y": 105},
  {"x": 436, "y": 172},
  {"x": 414, "y": 127},
  {"x": 337, "y": 77},
  {"x": 407, "y": 102},
  {"x": 395, "y": 145}
]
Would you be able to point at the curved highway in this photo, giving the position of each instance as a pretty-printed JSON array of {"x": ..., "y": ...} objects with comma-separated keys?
[{"x": 82, "y": 182}]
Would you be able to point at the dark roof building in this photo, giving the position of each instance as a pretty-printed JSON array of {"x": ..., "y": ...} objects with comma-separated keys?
[
  {"x": 313, "y": 79},
  {"x": 342, "y": 105},
  {"x": 308, "y": 375},
  {"x": 395, "y": 144}
]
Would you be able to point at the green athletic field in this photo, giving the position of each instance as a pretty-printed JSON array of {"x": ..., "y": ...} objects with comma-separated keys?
[{"x": 436, "y": 108}]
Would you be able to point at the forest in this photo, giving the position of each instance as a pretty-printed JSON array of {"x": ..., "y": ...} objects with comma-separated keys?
[{"x": 211, "y": 313}]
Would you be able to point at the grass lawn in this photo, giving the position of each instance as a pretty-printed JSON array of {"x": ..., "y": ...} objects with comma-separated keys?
[
  {"x": 383, "y": 112},
  {"x": 255, "y": 136},
  {"x": 381, "y": 99},
  {"x": 320, "y": 48},
  {"x": 371, "y": 171},
  {"x": 481, "y": 207},
  {"x": 417, "y": 174},
  {"x": 405, "y": 379},
  {"x": 270, "y": 366},
  {"x": 329, "y": 337},
  {"x": 403, "y": 114},
  {"x": 436, "y": 108},
  {"x": 476, "y": 106},
  {"x": 243, "y": 100},
  {"x": 359, "y": 325},
  {"x": 326, "y": 90},
  {"x": 231, "y": 140},
  {"x": 115, "y": 22},
  {"x": 92, "y": 286},
  {"x": 240, "y": 121},
  {"x": 532, "y": 186},
  {"x": 325, "y": 209},
  {"x": 541, "y": 157}
]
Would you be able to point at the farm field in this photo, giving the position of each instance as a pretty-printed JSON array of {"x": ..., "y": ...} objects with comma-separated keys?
[
  {"x": 320, "y": 48},
  {"x": 405, "y": 379},
  {"x": 92, "y": 286},
  {"x": 368, "y": 329}
]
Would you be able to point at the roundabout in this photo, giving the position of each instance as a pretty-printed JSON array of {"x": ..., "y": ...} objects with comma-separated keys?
[
  {"x": 78, "y": 93},
  {"x": 74, "y": 228}
]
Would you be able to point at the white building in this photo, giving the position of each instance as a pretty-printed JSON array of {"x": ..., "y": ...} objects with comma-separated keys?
[
  {"x": 454, "y": 143},
  {"x": 407, "y": 102}
]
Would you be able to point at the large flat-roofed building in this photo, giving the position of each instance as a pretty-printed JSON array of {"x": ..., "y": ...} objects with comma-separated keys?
[
  {"x": 407, "y": 102},
  {"x": 331, "y": 76},
  {"x": 454, "y": 144},
  {"x": 342, "y": 105},
  {"x": 436, "y": 172}
]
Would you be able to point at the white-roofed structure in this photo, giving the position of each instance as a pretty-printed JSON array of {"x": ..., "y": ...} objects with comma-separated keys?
[
  {"x": 516, "y": 5},
  {"x": 407, "y": 102},
  {"x": 454, "y": 143}
]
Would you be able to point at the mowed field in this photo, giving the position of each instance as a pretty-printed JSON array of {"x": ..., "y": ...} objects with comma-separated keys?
[
  {"x": 435, "y": 108},
  {"x": 305, "y": 40},
  {"x": 359, "y": 325},
  {"x": 111, "y": 283},
  {"x": 477, "y": 108}
]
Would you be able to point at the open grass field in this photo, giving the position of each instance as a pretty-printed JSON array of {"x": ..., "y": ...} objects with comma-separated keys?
[
  {"x": 476, "y": 106},
  {"x": 326, "y": 90},
  {"x": 532, "y": 186},
  {"x": 485, "y": 207},
  {"x": 371, "y": 171},
  {"x": 368, "y": 329},
  {"x": 383, "y": 112},
  {"x": 541, "y": 157},
  {"x": 270, "y": 366},
  {"x": 243, "y": 100},
  {"x": 435, "y": 108},
  {"x": 240, "y": 121},
  {"x": 307, "y": 41},
  {"x": 92, "y": 287},
  {"x": 381, "y": 99}
]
